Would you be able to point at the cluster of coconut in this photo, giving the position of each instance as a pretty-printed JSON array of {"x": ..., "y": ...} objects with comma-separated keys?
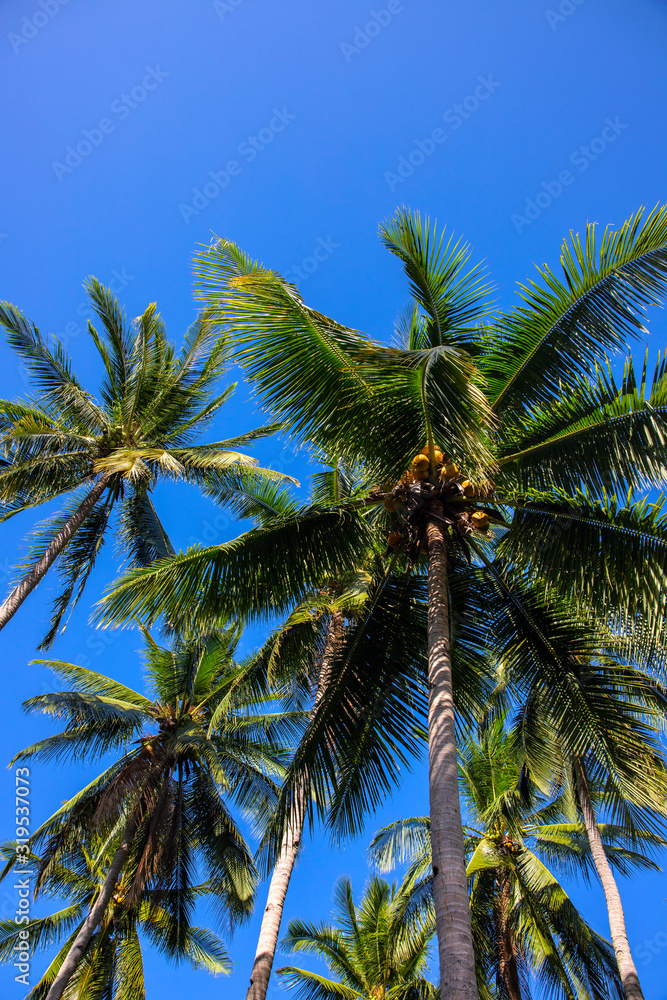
[{"x": 446, "y": 475}]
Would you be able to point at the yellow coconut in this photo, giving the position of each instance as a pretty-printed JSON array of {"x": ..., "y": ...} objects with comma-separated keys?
[
  {"x": 480, "y": 520},
  {"x": 420, "y": 462},
  {"x": 395, "y": 539},
  {"x": 449, "y": 471},
  {"x": 468, "y": 488},
  {"x": 439, "y": 457},
  {"x": 421, "y": 474}
]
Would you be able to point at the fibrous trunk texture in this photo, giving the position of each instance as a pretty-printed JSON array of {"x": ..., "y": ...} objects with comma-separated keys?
[
  {"x": 508, "y": 966},
  {"x": 450, "y": 891},
  {"x": 626, "y": 966}
]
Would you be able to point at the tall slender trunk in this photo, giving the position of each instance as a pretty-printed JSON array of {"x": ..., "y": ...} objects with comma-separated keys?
[
  {"x": 289, "y": 848},
  {"x": 508, "y": 966},
  {"x": 450, "y": 891},
  {"x": 626, "y": 967},
  {"x": 18, "y": 595},
  {"x": 95, "y": 916}
]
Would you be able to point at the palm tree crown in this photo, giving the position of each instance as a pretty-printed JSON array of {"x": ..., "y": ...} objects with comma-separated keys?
[
  {"x": 153, "y": 405},
  {"x": 369, "y": 948},
  {"x": 197, "y": 746},
  {"x": 517, "y": 843},
  {"x": 522, "y": 405},
  {"x": 113, "y": 964}
]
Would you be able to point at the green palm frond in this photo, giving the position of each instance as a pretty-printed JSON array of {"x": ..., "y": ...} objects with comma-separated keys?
[
  {"x": 511, "y": 830},
  {"x": 311, "y": 986},
  {"x": 367, "y": 723},
  {"x": 154, "y": 405},
  {"x": 369, "y": 948},
  {"x": 604, "y": 555},
  {"x": 294, "y": 343},
  {"x": 266, "y": 569},
  {"x": 567, "y": 326},
  {"x": 605, "y": 436},
  {"x": 249, "y": 494},
  {"x": 452, "y": 299},
  {"x": 128, "y": 969},
  {"x": 41, "y": 932},
  {"x": 141, "y": 533}
]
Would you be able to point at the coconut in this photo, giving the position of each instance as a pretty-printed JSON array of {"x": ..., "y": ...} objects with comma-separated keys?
[
  {"x": 421, "y": 474},
  {"x": 468, "y": 488},
  {"x": 480, "y": 520},
  {"x": 395, "y": 539},
  {"x": 439, "y": 457},
  {"x": 449, "y": 471},
  {"x": 420, "y": 462}
]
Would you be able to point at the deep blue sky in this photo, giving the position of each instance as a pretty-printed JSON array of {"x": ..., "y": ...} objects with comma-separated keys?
[{"x": 339, "y": 121}]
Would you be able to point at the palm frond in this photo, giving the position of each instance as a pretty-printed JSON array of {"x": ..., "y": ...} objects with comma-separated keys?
[{"x": 567, "y": 326}]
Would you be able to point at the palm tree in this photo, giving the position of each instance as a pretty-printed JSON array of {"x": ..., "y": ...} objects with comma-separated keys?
[
  {"x": 351, "y": 651},
  {"x": 524, "y": 403},
  {"x": 112, "y": 453},
  {"x": 368, "y": 948},
  {"x": 184, "y": 755},
  {"x": 112, "y": 964},
  {"x": 523, "y": 922},
  {"x": 590, "y": 719}
]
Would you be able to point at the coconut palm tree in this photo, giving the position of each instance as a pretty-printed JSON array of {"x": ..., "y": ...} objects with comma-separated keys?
[
  {"x": 108, "y": 454},
  {"x": 517, "y": 842},
  {"x": 524, "y": 403},
  {"x": 350, "y": 652},
  {"x": 590, "y": 720},
  {"x": 112, "y": 964},
  {"x": 368, "y": 949},
  {"x": 184, "y": 755}
]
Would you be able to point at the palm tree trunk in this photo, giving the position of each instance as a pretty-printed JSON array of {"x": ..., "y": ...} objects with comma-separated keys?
[
  {"x": 626, "y": 967},
  {"x": 94, "y": 918},
  {"x": 273, "y": 911},
  {"x": 289, "y": 848},
  {"x": 18, "y": 595},
  {"x": 452, "y": 909},
  {"x": 508, "y": 967}
]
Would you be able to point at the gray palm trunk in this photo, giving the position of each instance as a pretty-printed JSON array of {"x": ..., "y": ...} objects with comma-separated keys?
[
  {"x": 94, "y": 918},
  {"x": 626, "y": 966},
  {"x": 289, "y": 848},
  {"x": 450, "y": 890},
  {"x": 25, "y": 586}
]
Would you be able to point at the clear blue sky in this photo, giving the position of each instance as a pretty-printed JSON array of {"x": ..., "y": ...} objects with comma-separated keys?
[{"x": 298, "y": 117}]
